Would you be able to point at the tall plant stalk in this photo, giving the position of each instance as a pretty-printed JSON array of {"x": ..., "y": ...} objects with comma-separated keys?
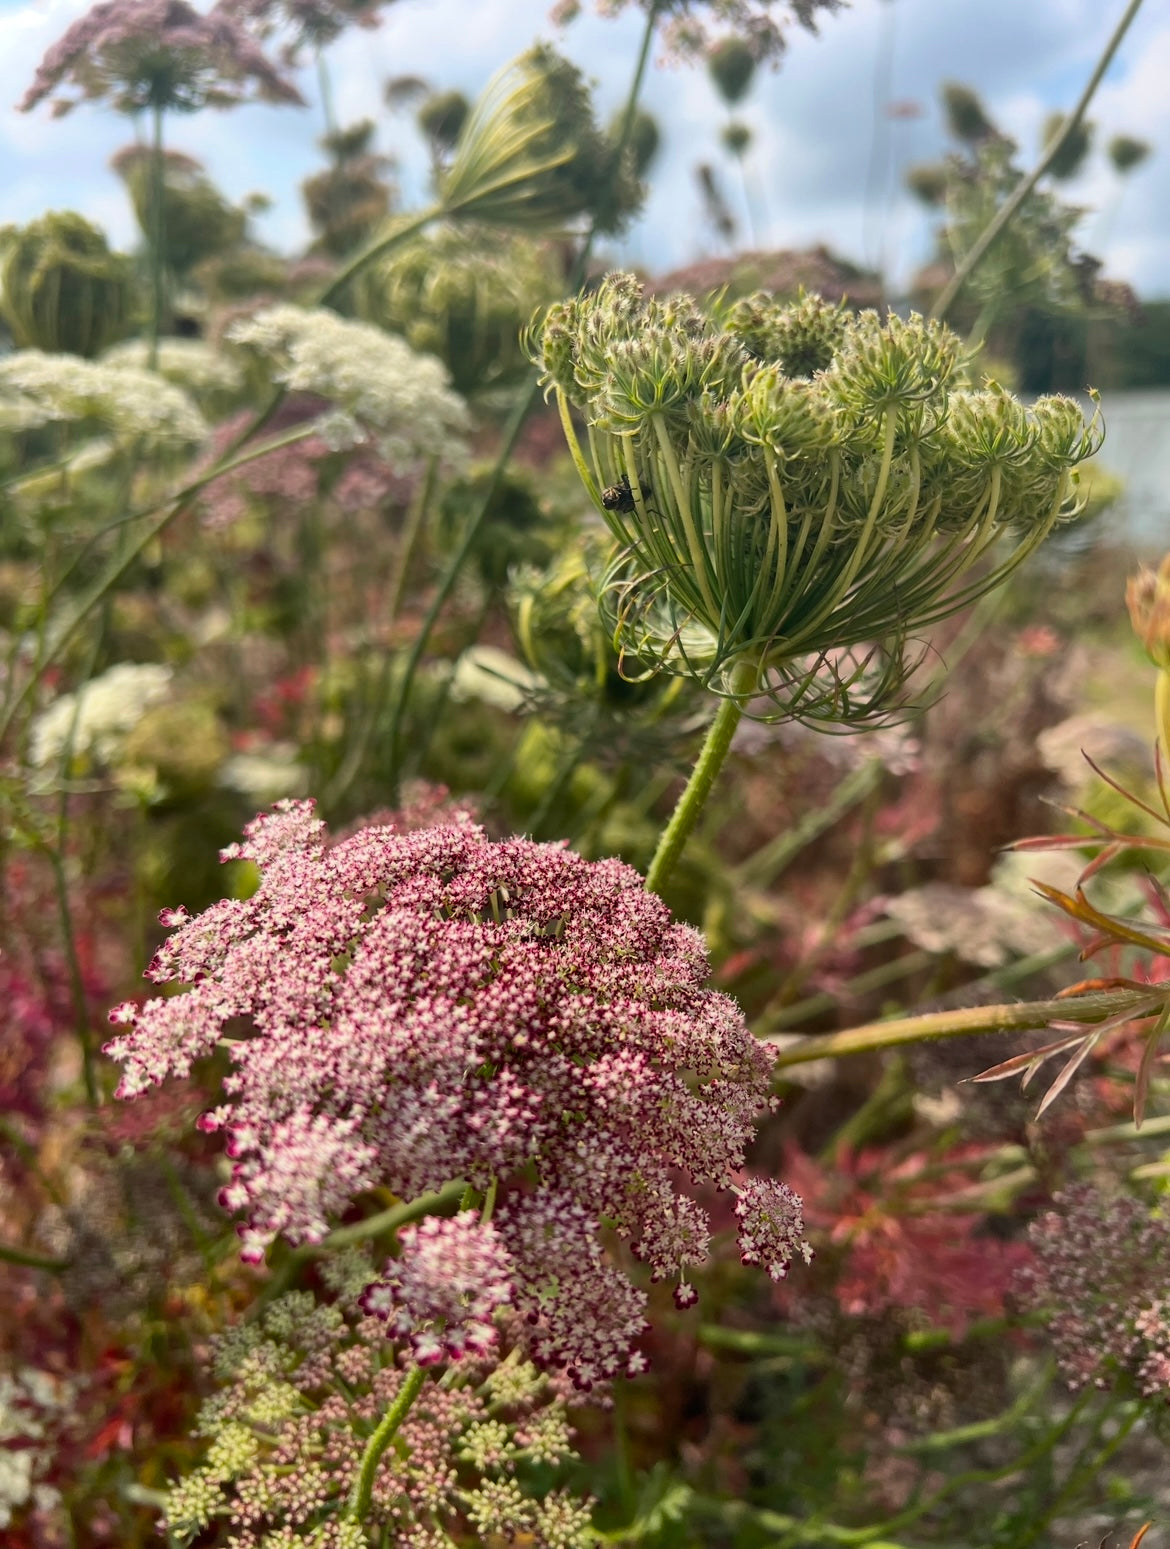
[
  {"x": 515, "y": 425},
  {"x": 157, "y": 186},
  {"x": 711, "y": 760},
  {"x": 1006, "y": 212}
]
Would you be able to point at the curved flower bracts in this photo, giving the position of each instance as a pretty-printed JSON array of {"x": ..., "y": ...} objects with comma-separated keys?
[
  {"x": 794, "y": 491},
  {"x": 430, "y": 1006},
  {"x": 531, "y": 154}
]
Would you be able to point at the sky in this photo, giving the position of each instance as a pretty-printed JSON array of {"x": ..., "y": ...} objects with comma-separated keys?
[{"x": 827, "y": 159}]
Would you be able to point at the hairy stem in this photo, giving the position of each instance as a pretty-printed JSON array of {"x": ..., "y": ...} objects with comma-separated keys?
[
  {"x": 1096, "y": 1006},
  {"x": 693, "y": 799},
  {"x": 363, "y": 1490}
]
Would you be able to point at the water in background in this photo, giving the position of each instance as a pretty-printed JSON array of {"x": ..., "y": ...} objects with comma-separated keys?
[{"x": 1137, "y": 450}]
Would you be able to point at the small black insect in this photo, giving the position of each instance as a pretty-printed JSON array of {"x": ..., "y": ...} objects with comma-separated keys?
[{"x": 619, "y": 496}]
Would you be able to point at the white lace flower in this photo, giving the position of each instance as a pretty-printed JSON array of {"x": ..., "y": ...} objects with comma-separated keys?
[
  {"x": 373, "y": 376},
  {"x": 93, "y": 721},
  {"x": 134, "y": 404},
  {"x": 265, "y": 777},
  {"x": 189, "y": 363}
]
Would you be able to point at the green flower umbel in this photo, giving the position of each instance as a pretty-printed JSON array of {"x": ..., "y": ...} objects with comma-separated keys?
[
  {"x": 796, "y": 492},
  {"x": 531, "y": 155}
]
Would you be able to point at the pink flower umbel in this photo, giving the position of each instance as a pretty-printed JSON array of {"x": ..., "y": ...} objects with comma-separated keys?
[
  {"x": 157, "y": 53},
  {"x": 415, "y": 1008},
  {"x": 443, "y": 1291}
]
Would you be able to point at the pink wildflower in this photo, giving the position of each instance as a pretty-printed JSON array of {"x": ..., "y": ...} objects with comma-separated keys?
[
  {"x": 159, "y": 54},
  {"x": 1099, "y": 1279},
  {"x": 771, "y": 1230},
  {"x": 422, "y": 1007},
  {"x": 314, "y": 23},
  {"x": 444, "y": 1290}
]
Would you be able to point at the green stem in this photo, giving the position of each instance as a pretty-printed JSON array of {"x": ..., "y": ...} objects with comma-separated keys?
[
  {"x": 762, "y": 869},
  {"x": 378, "y": 248},
  {"x": 33, "y": 1260},
  {"x": 1006, "y": 212},
  {"x": 355, "y": 757},
  {"x": 173, "y": 507},
  {"x": 1089, "y": 1008},
  {"x": 325, "y": 87},
  {"x": 363, "y": 1490},
  {"x": 157, "y": 189},
  {"x": 698, "y": 788},
  {"x": 76, "y": 981},
  {"x": 511, "y": 435}
]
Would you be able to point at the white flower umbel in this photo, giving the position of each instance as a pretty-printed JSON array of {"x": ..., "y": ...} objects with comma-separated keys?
[
  {"x": 265, "y": 776},
  {"x": 399, "y": 395},
  {"x": 192, "y": 364},
  {"x": 92, "y": 722},
  {"x": 36, "y": 388}
]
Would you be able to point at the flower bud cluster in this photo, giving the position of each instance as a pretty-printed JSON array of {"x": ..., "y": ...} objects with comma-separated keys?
[
  {"x": 462, "y": 295},
  {"x": 136, "y": 405},
  {"x": 1147, "y": 595},
  {"x": 425, "y": 1007},
  {"x": 796, "y": 481},
  {"x": 377, "y": 381},
  {"x": 614, "y": 711},
  {"x": 300, "y": 1392},
  {"x": 531, "y": 155}
]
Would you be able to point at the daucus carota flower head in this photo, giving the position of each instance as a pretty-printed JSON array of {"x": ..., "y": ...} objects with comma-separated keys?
[
  {"x": 532, "y": 156},
  {"x": 160, "y": 54},
  {"x": 309, "y": 23},
  {"x": 403, "y": 398},
  {"x": 192, "y": 364},
  {"x": 61, "y": 288},
  {"x": 430, "y": 1006},
  {"x": 791, "y": 484},
  {"x": 443, "y": 1292},
  {"x": 93, "y": 722},
  {"x": 1100, "y": 1277},
  {"x": 300, "y": 1392}
]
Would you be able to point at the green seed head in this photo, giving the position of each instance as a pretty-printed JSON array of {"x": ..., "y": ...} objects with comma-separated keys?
[
  {"x": 532, "y": 156},
  {"x": 801, "y": 337},
  {"x": 789, "y": 483}
]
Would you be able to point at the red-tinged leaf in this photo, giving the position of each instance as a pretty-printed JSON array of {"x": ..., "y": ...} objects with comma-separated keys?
[
  {"x": 1081, "y": 909},
  {"x": 1019, "y": 1062},
  {"x": 1142, "y": 1083},
  {"x": 1094, "y": 945},
  {"x": 1090, "y": 986},
  {"x": 1052, "y": 842},
  {"x": 1074, "y": 1064},
  {"x": 1100, "y": 860},
  {"x": 1129, "y": 796}
]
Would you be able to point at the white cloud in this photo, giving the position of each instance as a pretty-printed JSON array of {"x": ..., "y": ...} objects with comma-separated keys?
[{"x": 814, "y": 120}]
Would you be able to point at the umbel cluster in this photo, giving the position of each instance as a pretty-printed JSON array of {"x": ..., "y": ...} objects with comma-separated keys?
[{"x": 795, "y": 490}]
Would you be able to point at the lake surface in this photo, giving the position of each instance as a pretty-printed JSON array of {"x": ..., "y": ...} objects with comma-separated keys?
[{"x": 1137, "y": 450}]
